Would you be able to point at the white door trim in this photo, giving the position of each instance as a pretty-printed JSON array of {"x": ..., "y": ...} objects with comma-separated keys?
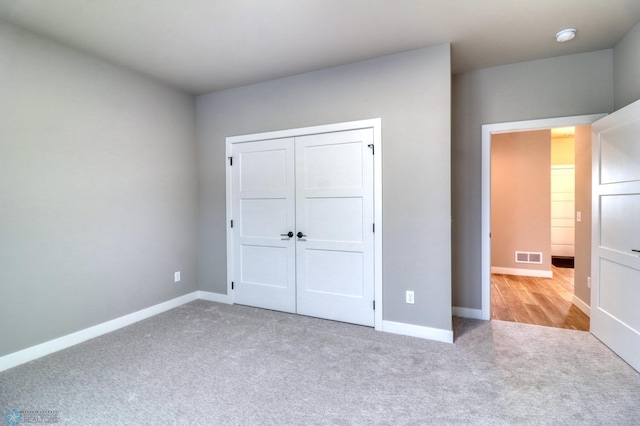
[
  {"x": 487, "y": 131},
  {"x": 376, "y": 125}
]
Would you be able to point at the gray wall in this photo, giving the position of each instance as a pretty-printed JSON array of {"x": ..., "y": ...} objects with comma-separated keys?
[
  {"x": 411, "y": 93},
  {"x": 97, "y": 191},
  {"x": 555, "y": 87},
  {"x": 626, "y": 68}
]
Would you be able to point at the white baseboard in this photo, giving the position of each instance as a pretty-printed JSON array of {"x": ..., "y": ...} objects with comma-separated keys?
[
  {"x": 521, "y": 272},
  {"x": 437, "y": 334},
  {"x": 214, "y": 297},
  {"x": 467, "y": 312},
  {"x": 581, "y": 305},
  {"x": 29, "y": 354},
  {"x": 46, "y": 348}
]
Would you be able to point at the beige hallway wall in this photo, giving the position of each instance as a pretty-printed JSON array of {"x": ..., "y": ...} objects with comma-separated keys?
[{"x": 520, "y": 198}]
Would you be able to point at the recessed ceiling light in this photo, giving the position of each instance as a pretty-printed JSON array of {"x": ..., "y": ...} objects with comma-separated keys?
[{"x": 565, "y": 35}]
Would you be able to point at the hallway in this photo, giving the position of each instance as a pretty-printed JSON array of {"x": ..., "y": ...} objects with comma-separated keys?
[{"x": 539, "y": 301}]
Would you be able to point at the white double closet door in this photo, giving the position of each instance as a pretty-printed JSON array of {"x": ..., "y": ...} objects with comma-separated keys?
[{"x": 303, "y": 237}]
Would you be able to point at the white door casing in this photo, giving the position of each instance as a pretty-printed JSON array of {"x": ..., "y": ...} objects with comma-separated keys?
[
  {"x": 334, "y": 209},
  {"x": 615, "y": 266},
  {"x": 263, "y": 202},
  {"x": 317, "y": 210}
]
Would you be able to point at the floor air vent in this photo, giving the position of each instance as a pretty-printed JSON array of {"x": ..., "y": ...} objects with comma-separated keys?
[{"x": 528, "y": 257}]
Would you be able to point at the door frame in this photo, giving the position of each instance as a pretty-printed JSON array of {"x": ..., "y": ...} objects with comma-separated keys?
[
  {"x": 376, "y": 125},
  {"x": 487, "y": 131}
]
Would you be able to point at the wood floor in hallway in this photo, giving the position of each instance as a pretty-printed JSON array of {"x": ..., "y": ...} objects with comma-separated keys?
[{"x": 540, "y": 301}]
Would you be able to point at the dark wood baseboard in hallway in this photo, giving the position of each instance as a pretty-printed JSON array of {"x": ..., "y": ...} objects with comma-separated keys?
[{"x": 540, "y": 301}]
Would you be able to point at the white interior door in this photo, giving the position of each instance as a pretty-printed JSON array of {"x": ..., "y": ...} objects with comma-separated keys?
[
  {"x": 263, "y": 205},
  {"x": 615, "y": 274},
  {"x": 334, "y": 219}
]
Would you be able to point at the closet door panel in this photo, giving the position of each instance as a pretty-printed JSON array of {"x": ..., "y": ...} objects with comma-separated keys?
[
  {"x": 263, "y": 205},
  {"x": 334, "y": 214}
]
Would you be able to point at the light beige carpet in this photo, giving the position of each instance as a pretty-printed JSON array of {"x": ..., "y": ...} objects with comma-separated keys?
[{"x": 211, "y": 364}]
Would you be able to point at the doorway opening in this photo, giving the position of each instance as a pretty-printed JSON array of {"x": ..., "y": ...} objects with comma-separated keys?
[
  {"x": 541, "y": 259},
  {"x": 533, "y": 183}
]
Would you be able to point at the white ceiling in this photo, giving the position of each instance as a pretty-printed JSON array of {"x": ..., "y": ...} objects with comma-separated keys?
[{"x": 207, "y": 45}]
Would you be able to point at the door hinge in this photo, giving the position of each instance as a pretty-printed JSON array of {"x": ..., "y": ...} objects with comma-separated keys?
[
  {"x": 374, "y": 227},
  {"x": 373, "y": 149},
  {"x": 232, "y": 285},
  {"x": 374, "y": 305},
  {"x": 232, "y": 223},
  {"x": 230, "y": 161}
]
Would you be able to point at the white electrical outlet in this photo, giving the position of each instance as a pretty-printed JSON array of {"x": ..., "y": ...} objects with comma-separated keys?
[
  {"x": 589, "y": 282},
  {"x": 579, "y": 216},
  {"x": 176, "y": 276},
  {"x": 410, "y": 297}
]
